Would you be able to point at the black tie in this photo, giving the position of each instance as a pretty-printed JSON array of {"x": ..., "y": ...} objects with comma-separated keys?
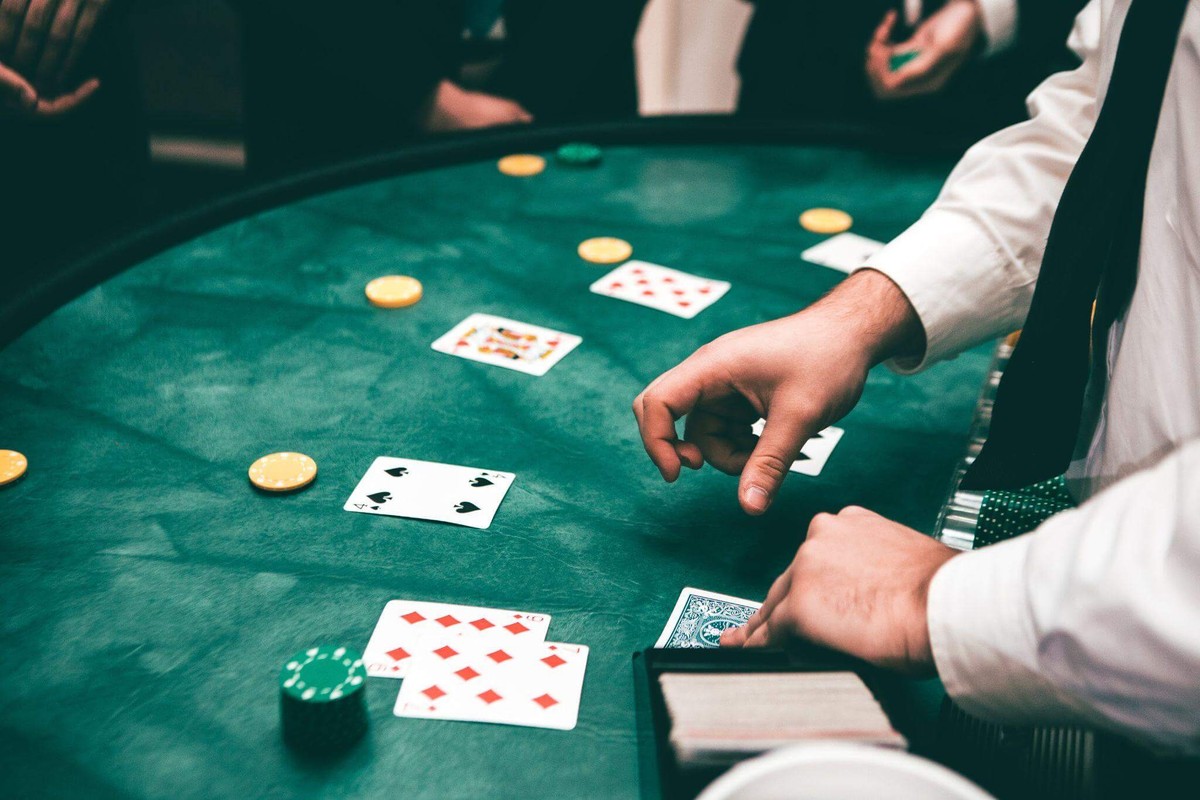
[{"x": 1091, "y": 255}]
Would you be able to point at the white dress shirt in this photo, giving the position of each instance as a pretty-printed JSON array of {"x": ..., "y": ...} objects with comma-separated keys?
[{"x": 1095, "y": 616}]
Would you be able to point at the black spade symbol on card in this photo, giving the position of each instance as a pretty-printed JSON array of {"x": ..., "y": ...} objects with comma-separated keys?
[
  {"x": 380, "y": 497},
  {"x": 397, "y": 472},
  {"x": 465, "y": 507},
  {"x": 481, "y": 481}
]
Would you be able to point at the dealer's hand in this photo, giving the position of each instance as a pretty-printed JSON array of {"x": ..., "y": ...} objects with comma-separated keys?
[
  {"x": 41, "y": 43},
  {"x": 801, "y": 372},
  {"x": 858, "y": 584}
]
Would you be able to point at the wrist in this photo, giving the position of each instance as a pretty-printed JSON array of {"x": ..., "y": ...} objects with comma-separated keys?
[{"x": 875, "y": 316}]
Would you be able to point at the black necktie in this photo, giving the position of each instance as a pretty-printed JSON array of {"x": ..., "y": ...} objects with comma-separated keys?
[{"x": 1091, "y": 255}]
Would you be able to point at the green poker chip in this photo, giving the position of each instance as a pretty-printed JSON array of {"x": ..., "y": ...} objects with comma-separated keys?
[
  {"x": 321, "y": 703},
  {"x": 579, "y": 154}
]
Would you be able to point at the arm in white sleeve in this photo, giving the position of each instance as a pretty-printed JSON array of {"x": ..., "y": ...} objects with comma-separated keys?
[
  {"x": 969, "y": 265},
  {"x": 1094, "y": 617},
  {"x": 998, "y": 18}
]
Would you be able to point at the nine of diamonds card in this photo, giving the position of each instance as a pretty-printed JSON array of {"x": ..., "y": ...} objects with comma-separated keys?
[
  {"x": 661, "y": 288},
  {"x": 507, "y": 343},
  {"x": 535, "y": 684}
]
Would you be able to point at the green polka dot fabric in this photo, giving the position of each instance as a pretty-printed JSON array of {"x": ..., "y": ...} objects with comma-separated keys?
[{"x": 1005, "y": 514}]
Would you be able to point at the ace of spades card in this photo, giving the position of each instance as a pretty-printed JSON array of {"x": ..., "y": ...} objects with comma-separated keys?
[{"x": 406, "y": 487}]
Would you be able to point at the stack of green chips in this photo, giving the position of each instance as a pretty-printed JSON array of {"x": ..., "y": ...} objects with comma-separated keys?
[
  {"x": 321, "y": 701},
  {"x": 579, "y": 154}
]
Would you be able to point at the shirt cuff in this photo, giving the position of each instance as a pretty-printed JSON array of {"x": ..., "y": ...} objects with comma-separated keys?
[
  {"x": 983, "y": 639},
  {"x": 998, "y": 18},
  {"x": 959, "y": 281}
]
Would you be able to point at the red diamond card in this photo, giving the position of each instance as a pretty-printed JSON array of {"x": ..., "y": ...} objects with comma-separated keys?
[
  {"x": 411, "y": 628},
  {"x": 530, "y": 683},
  {"x": 662, "y": 288}
]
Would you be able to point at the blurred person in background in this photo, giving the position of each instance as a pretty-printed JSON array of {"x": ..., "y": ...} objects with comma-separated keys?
[
  {"x": 73, "y": 144},
  {"x": 975, "y": 61},
  {"x": 326, "y": 83}
]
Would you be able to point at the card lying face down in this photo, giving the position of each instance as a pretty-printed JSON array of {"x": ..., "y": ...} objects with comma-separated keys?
[
  {"x": 701, "y": 617},
  {"x": 815, "y": 452},
  {"x": 405, "y": 487},
  {"x": 410, "y": 629},
  {"x": 662, "y": 288},
  {"x": 845, "y": 252},
  {"x": 535, "y": 684},
  {"x": 507, "y": 343}
]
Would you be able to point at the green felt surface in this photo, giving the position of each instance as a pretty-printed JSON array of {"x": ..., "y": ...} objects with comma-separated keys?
[{"x": 151, "y": 596}]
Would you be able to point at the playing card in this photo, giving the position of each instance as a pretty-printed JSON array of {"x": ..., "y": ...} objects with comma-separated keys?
[
  {"x": 815, "y": 452},
  {"x": 700, "y": 617},
  {"x": 662, "y": 288},
  {"x": 535, "y": 684},
  {"x": 507, "y": 343},
  {"x": 845, "y": 252},
  {"x": 405, "y": 487},
  {"x": 408, "y": 629}
]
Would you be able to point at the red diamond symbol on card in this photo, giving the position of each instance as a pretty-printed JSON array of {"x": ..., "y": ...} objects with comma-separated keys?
[
  {"x": 466, "y": 673},
  {"x": 668, "y": 279},
  {"x": 489, "y": 697},
  {"x": 433, "y": 692},
  {"x": 515, "y": 628},
  {"x": 545, "y": 701},
  {"x": 648, "y": 292},
  {"x": 642, "y": 282},
  {"x": 399, "y": 654},
  {"x": 499, "y": 656},
  {"x": 705, "y": 290},
  {"x": 684, "y": 303},
  {"x": 617, "y": 285},
  {"x": 483, "y": 624},
  {"x": 554, "y": 661},
  {"x": 412, "y": 617},
  {"x": 637, "y": 271},
  {"x": 445, "y": 651},
  {"x": 447, "y": 621}
]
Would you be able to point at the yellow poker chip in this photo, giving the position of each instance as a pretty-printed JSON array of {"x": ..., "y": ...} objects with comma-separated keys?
[
  {"x": 605, "y": 250},
  {"x": 826, "y": 220},
  {"x": 521, "y": 165},
  {"x": 12, "y": 466},
  {"x": 394, "y": 291},
  {"x": 283, "y": 472}
]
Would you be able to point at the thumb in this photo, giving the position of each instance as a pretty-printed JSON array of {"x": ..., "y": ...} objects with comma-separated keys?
[{"x": 778, "y": 445}]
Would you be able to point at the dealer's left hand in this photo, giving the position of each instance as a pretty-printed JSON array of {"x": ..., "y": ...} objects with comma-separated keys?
[{"x": 858, "y": 584}]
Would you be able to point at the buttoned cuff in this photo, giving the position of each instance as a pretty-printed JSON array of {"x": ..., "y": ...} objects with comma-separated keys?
[
  {"x": 963, "y": 287},
  {"x": 983, "y": 639},
  {"x": 998, "y": 18}
]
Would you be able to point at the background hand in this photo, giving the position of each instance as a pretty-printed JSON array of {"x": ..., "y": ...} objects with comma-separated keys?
[
  {"x": 41, "y": 42},
  {"x": 455, "y": 109},
  {"x": 944, "y": 42},
  {"x": 802, "y": 373},
  {"x": 858, "y": 584}
]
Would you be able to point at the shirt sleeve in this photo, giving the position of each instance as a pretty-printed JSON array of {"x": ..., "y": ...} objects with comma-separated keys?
[
  {"x": 998, "y": 18},
  {"x": 969, "y": 264},
  {"x": 1092, "y": 618}
]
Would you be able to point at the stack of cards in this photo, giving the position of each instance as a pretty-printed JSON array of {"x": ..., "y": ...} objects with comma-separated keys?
[
  {"x": 477, "y": 665},
  {"x": 815, "y": 452},
  {"x": 507, "y": 343},
  {"x": 701, "y": 617},
  {"x": 661, "y": 288},
  {"x": 721, "y": 718},
  {"x": 405, "y": 487}
]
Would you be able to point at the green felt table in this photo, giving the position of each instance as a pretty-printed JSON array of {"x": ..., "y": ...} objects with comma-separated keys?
[{"x": 150, "y": 594}]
